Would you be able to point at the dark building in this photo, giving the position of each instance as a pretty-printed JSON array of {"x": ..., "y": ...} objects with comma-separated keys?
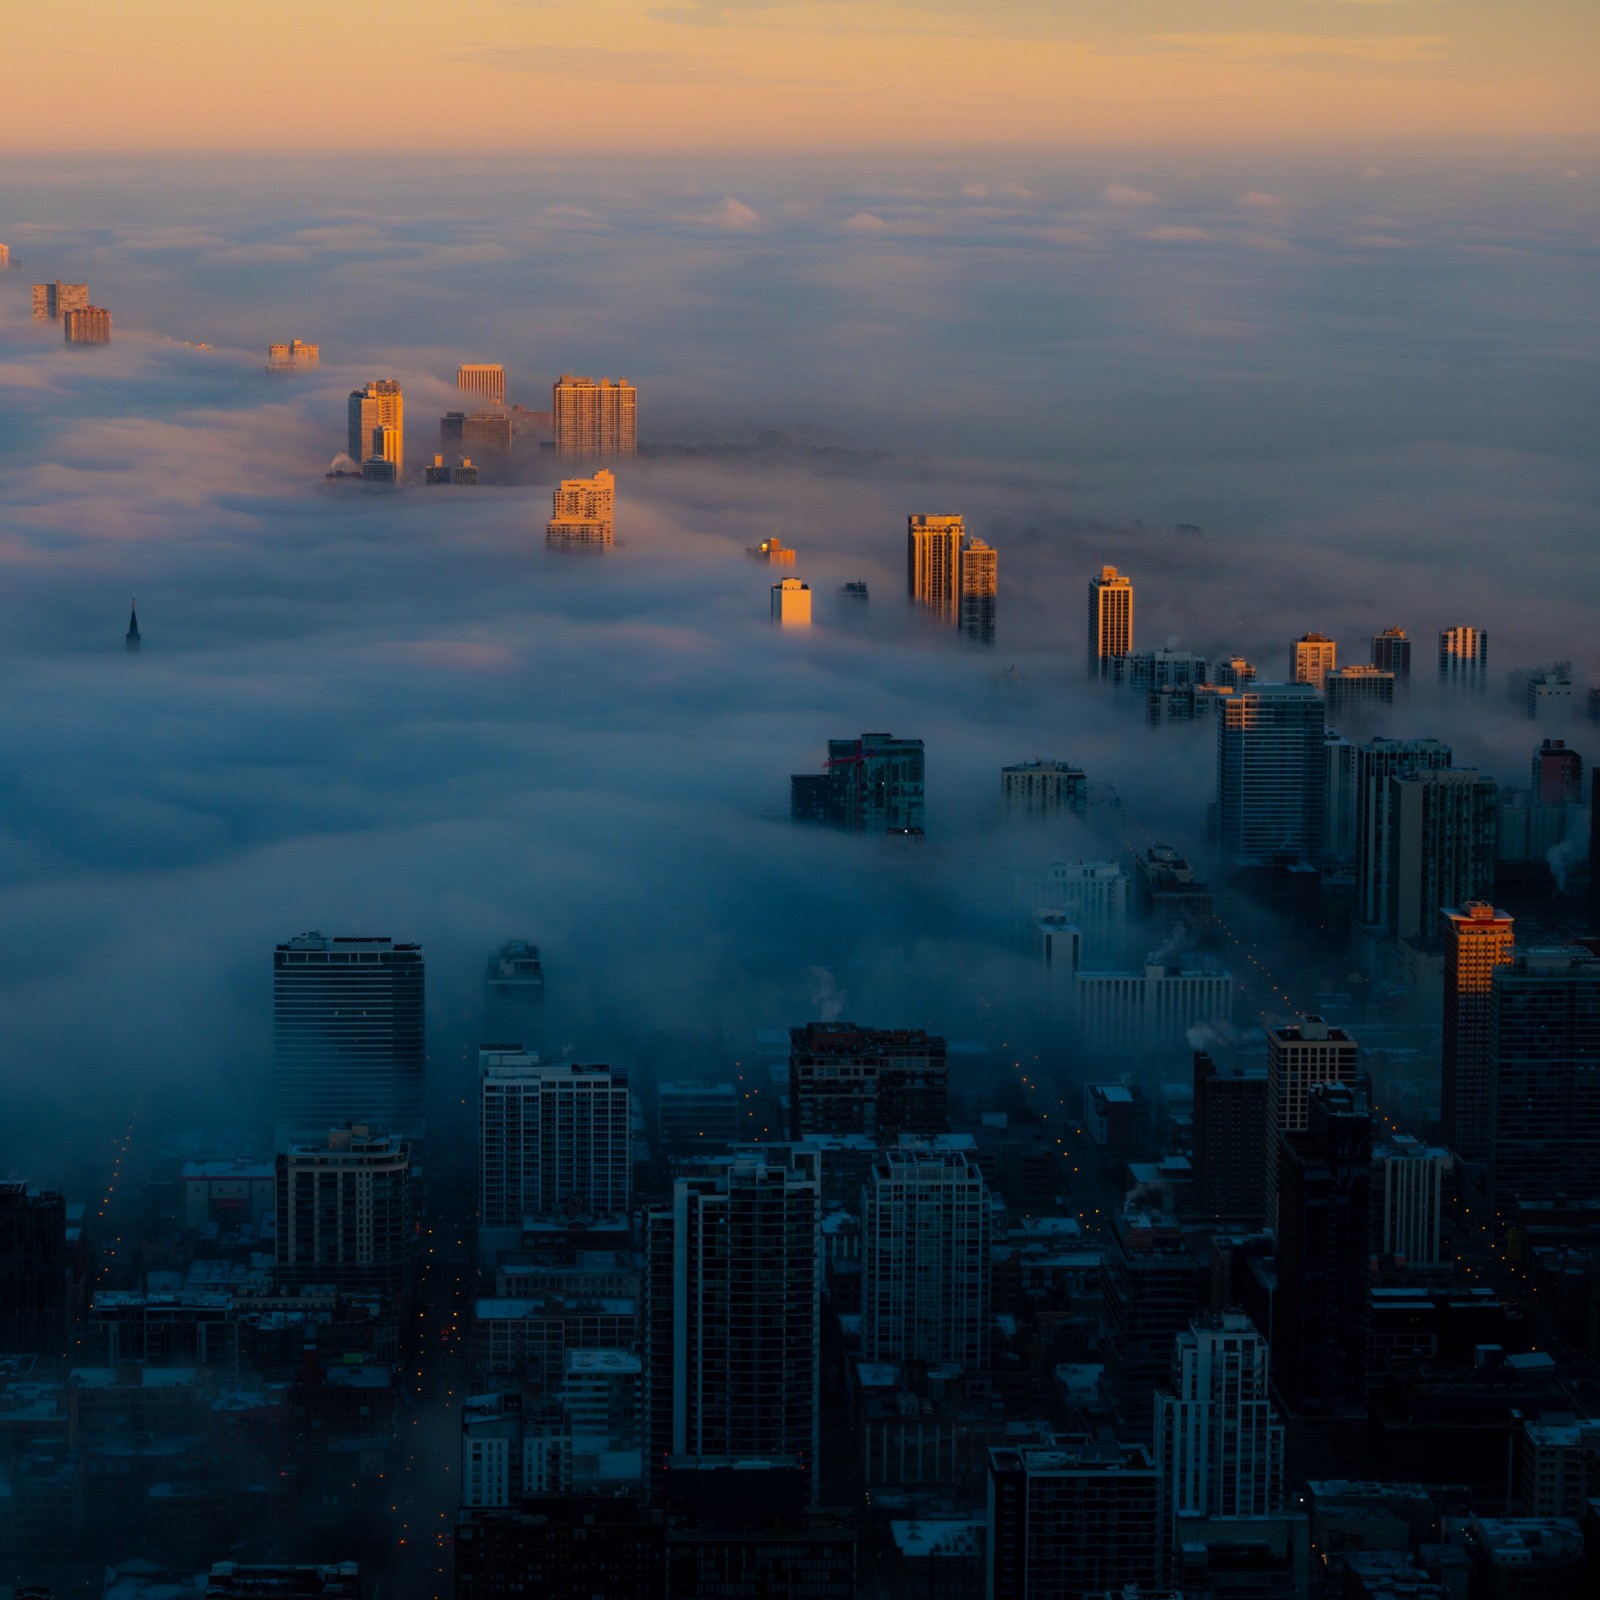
[
  {"x": 1230, "y": 1132},
  {"x": 35, "y": 1273},
  {"x": 873, "y": 784},
  {"x": 233, "y": 1580},
  {"x": 1594, "y": 851},
  {"x": 1073, "y": 1520},
  {"x": 1477, "y": 940},
  {"x": 847, "y": 1079},
  {"x": 1391, "y": 652},
  {"x": 1544, "y": 1136},
  {"x": 561, "y": 1547},
  {"x": 132, "y": 639},
  {"x": 1557, "y": 775},
  {"x": 513, "y": 996},
  {"x": 1169, "y": 891}
]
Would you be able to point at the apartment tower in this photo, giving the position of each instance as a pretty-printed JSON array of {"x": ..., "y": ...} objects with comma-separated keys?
[
  {"x": 377, "y": 424},
  {"x": 1477, "y": 940},
  {"x": 593, "y": 419},
  {"x": 1110, "y": 621},
  {"x": 933, "y": 564}
]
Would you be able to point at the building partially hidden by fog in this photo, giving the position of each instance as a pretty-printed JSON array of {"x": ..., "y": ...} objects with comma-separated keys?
[
  {"x": 881, "y": 1082},
  {"x": 1271, "y": 773},
  {"x": 1152, "y": 1010},
  {"x": 1041, "y": 790},
  {"x": 1110, "y": 620},
  {"x": 980, "y": 585},
  {"x": 513, "y": 995},
  {"x": 485, "y": 379},
  {"x": 933, "y": 564},
  {"x": 772, "y": 552},
  {"x": 462, "y": 471},
  {"x": 35, "y": 1270},
  {"x": 1477, "y": 939},
  {"x": 584, "y": 513},
  {"x": 1357, "y": 693},
  {"x": 87, "y": 325},
  {"x": 873, "y": 784},
  {"x": 594, "y": 420},
  {"x": 347, "y": 1035},
  {"x": 133, "y": 639},
  {"x": 1464, "y": 659},
  {"x": 52, "y": 301},
  {"x": 1391, "y": 652},
  {"x": 377, "y": 424},
  {"x": 791, "y": 603},
  {"x": 296, "y": 356}
]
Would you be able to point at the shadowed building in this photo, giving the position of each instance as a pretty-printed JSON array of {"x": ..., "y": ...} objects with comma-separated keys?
[
  {"x": 1271, "y": 772},
  {"x": 1391, "y": 652},
  {"x": 873, "y": 784},
  {"x": 1300, "y": 1056},
  {"x": 980, "y": 583},
  {"x": 1463, "y": 659},
  {"x": 880, "y": 1082},
  {"x": 132, "y": 638},
  {"x": 344, "y": 1212},
  {"x": 1041, "y": 789}
]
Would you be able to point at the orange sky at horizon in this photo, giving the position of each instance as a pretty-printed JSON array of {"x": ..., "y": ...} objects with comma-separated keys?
[{"x": 658, "y": 75}]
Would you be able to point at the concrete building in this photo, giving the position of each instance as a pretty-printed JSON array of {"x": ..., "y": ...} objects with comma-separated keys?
[
  {"x": 1357, "y": 694},
  {"x": 1058, "y": 944},
  {"x": 462, "y": 471},
  {"x": 873, "y": 784},
  {"x": 594, "y": 419},
  {"x": 980, "y": 584},
  {"x": 296, "y": 356},
  {"x": 344, "y": 1212},
  {"x": 1443, "y": 837},
  {"x": 881, "y": 1082},
  {"x": 485, "y": 379},
  {"x": 52, "y": 301},
  {"x": 1411, "y": 1196},
  {"x": 1391, "y": 652},
  {"x": 554, "y": 1136},
  {"x": 1311, "y": 658},
  {"x": 1131, "y": 1013},
  {"x": 791, "y": 603},
  {"x": 35, "y": 1270},
  {"x": 1477, "y": 939},
  {"x": 1271, "y": 772},
  {"x": 1549, "y": 698},
  {"x": 1035, "y": 790},
  {"x": 925, "y": 1258},
  {"x": 1557, "y": 774},
  {"x": 1377, "y": 762},
  {"x": 933, "y": 564},
  {"x": 238, "y": 1193},
  {"x": 1299, "y": 1056},
  {"x": 88, "y": 325},
  {"x": 377, "y": 424},
  {"x": 347, "y": 1034},
  {"x": 584, "y": 512},
  {"x": 1463, "y": 660},
  {"x": 1110, "y": 621},
  {"x": 484, "y": 434}
]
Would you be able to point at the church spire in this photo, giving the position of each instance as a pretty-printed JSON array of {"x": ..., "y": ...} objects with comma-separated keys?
[{"x": 133, "y": 626}]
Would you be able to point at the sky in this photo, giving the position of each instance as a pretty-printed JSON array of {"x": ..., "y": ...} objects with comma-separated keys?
[{"x": 570, "y": 76}]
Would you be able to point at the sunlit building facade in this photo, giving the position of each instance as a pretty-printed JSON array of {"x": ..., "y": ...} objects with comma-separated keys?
[
  {"x": 87, "y": 325},
  {"x": 485, "y": 379},
  {"x": 1464, "y": 659},
  {"x": 933, "y": 564},
  {"x": 52, "y": 301},
  {"x": 584, "y": 512},
  {"x": 791, "y": 603},
  {"x": 594, "y": 419},
  {"x": 377, "y": 424},
  {"x": 1477, "y": 940},
  {"x": 1313, "y": 656},
  {"x": 296, "y": 356},
  {"x": 1110, "y": 620}
]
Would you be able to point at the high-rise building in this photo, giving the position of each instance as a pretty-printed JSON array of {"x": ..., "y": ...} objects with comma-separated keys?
[
  {"x": 1338, "y": 798},
  {"x": 791, "y": 603},
  {"x": 1234, "y": 673},
  {"x": 1442, "y": 838},
  {"x": 347, "y": 1034},
  {"x": 1411, "y": 1192},
  {"x": 1271, "y": 772},
  {"x": 733, "y": 1286},
  {"x": 1072, "y": 1520},
  {"x": 344, "y": 1212},
  {"x": 1464, "y": 659},
  {"x": 35, "y": 1271},
  {"x": 594, "y": 419},
  {"x": 925, "y": 1258},
  {"x": 1594, "y": 850},
  {"x": 1312, "y": 657},
  {"x": 1219, "y": 1445},
  {"x": 771, "y": 552},
  {"x": 5, "y": 256},
  {"x": 881, "y": 1082},
  {"x": 485, "y": 379},
  {"x": 1230, "y": 1136},
  {"x": 1357, "y": 693},
  {"x": 1549, "y": 697},
  {"x": 584, "y": 512},
  {"x": 554, "y": 1137},
  {"x": 513, "y": 994},
  {"x": 873, "y": 784},
  {"x": 1477, "y": 939},
  {"x": 933, "y": 564},
  {"x": 1377, "y": 762},
  {"x": 693, "y": 1116},
  {"x": 133, "y": 639},
  {"x": 295, "y": 356},
  {"x": 87, "y": 325},
  {"x": 1391, "y": 652},
  {"x": 1300, "y": 1055},
  {"x": 980, "y": 584},
  {"x": 52, "y": 301},
  {"x": 1092, "y": 895},
  {"x": 377, "y": 424},
  {"x": 1557, "y": 774},
  {"x": 1036, "y": 790},
  {"x": 1544, "y": 1123},
  {"x": 1154, "y": 1009},
  {"x": 1110, "y": 620}
]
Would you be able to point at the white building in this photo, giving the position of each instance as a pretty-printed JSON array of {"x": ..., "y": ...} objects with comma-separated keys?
[
  {"x": 1059, "y": 947},
  {"x": 1093, "y": 895},
  {"x": 791, "y": 603},
  {"x": 1411, "y": 1186},
  {"x": 1129, "y": 1012}
]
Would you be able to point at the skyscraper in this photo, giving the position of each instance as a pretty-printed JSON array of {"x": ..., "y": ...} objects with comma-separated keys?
[
  {"x": 1377, "y": 762},
  {"x": 1442, "y": 841},
  {"x": 1391, "y": 652},
  {"x": 791, "y": 603},
  {"x": 87, "y": 325},
  {"x": 347, "y": 1034},
  {"x": 873, "y": 784},
  {"x": 979, "y": 586},
  {"x": 1312, "y": 656},
  {"x": 878, "y": 1081},
  {"x": 1477, "y": 939},
  {"x": 52, "y": 301},
  {"x": 584, "y": 512},
  {"x": 594, "y": 419},
  {"x": 925, "y": 1259},
  {"x": 1411, "y": 1199},
  {"x": 487, "y": 380},
  {"x": 513, "y": 994},
  {"x": 1549, "y": 698},
  {"x": 554, "y": 1136},
  {"x": 933, "y": 564},
  {"x": 1544, "y": 1126},
  {"x": 292, "y": 357},
  {"x": 1234, "y": 673},
  {"x": 132, "y": 639},
  {"x": 733, "y": 1285},
  {"x": 1271, "y": 776},
  {"x": 377, "y": 424},
  {"x": 35, "y": 1270},
  {"x": 1300, "y": 1055},
  {"x": 1557, "y": 774},
  {"x": 1464, "y": 659},
  {"x": 1230, "y": 1140},
  {"x": 1219, "y": 1446},
  {"x": 5, "y": 256},
  {"x": 1110, "y": 620},
  {"x": 1358, "y": 692},
  {"x": 1040, "y": 790}
]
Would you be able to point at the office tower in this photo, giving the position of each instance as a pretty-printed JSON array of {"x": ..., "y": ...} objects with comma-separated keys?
[
  {"x": 699, "y": 1116},
  {"x": 1092, "y": 895},
  {"x": 1411, "y": 1191},
  {"x": 1131, "y": 1013},
  {"x": 1299, "y": 1056},
  {"x": 377, "y": 424},
  {"x": 35, "y": 1270},
  {"x": 933, "y": 564},
  {"x": 1557, "y": 774},
  {"x": 347, "y": 1034},
  {"x": 880, "y": 1082},
  {"x": 292, "y": 357},
  {"x": 1391, "y": 652},
  {"x": 52, "y": 301},
  {"x": 925, "y": 1259},
  {"x": 733, "y": 1283},
  {"x": 513, "y": 995},
  {"x": 1312, "y": 657},
  {"x": 1442, "y": 838},
  {"x": 1354, "y": 693},
  {"x": 771, "y": 552},
  {"x": 1071, "y": 1520},
  {"x": 462, "y": 472},
  {"x": 1270, "y": 772},
  {"x": 487, "y": 380},
  {"x": 1477, "y": 939},
  {"x": 554, "y": 1137},
  {"x": 1549, "y": 697},
  {"x": 873, "y": 784},
  {"x": 1110, "y": 621},
  {"x": 484, "y": 433},
  {"x": 1320, "y": 1309},
  {"x": 979, "y": 586},
  {"x": 1035, "y": 790},
  {"x": 1219, "y": 1445},
  {"x": 1234, "y": 673},
  {"x": 1230, "y": 1136},
  {"x": 584, "y": 512},
  {"x": 1338, "y": 797},
  {"x": 344, "y": 1212},
  {"x": 132, "y": 639},
  {"x": 1544, "y": 1121},
  {"x": 594, "y": 419},
  {"x": 791, "y": 603},
  {"x": 1376, "y": 762},
  {"x": 88, "y": 325},
  {"x": 1159, "y": 669},
  {"x": 1463, "y": 659}
]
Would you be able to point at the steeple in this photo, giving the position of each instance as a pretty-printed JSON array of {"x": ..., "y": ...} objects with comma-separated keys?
[{"x": 133, "y": 627}]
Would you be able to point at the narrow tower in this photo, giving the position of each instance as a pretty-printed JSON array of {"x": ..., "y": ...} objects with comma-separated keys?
[{"x": 133, "y": 628}]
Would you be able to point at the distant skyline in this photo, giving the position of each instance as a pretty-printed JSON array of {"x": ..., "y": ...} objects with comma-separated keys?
[{"x": 765, "y": 74}]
